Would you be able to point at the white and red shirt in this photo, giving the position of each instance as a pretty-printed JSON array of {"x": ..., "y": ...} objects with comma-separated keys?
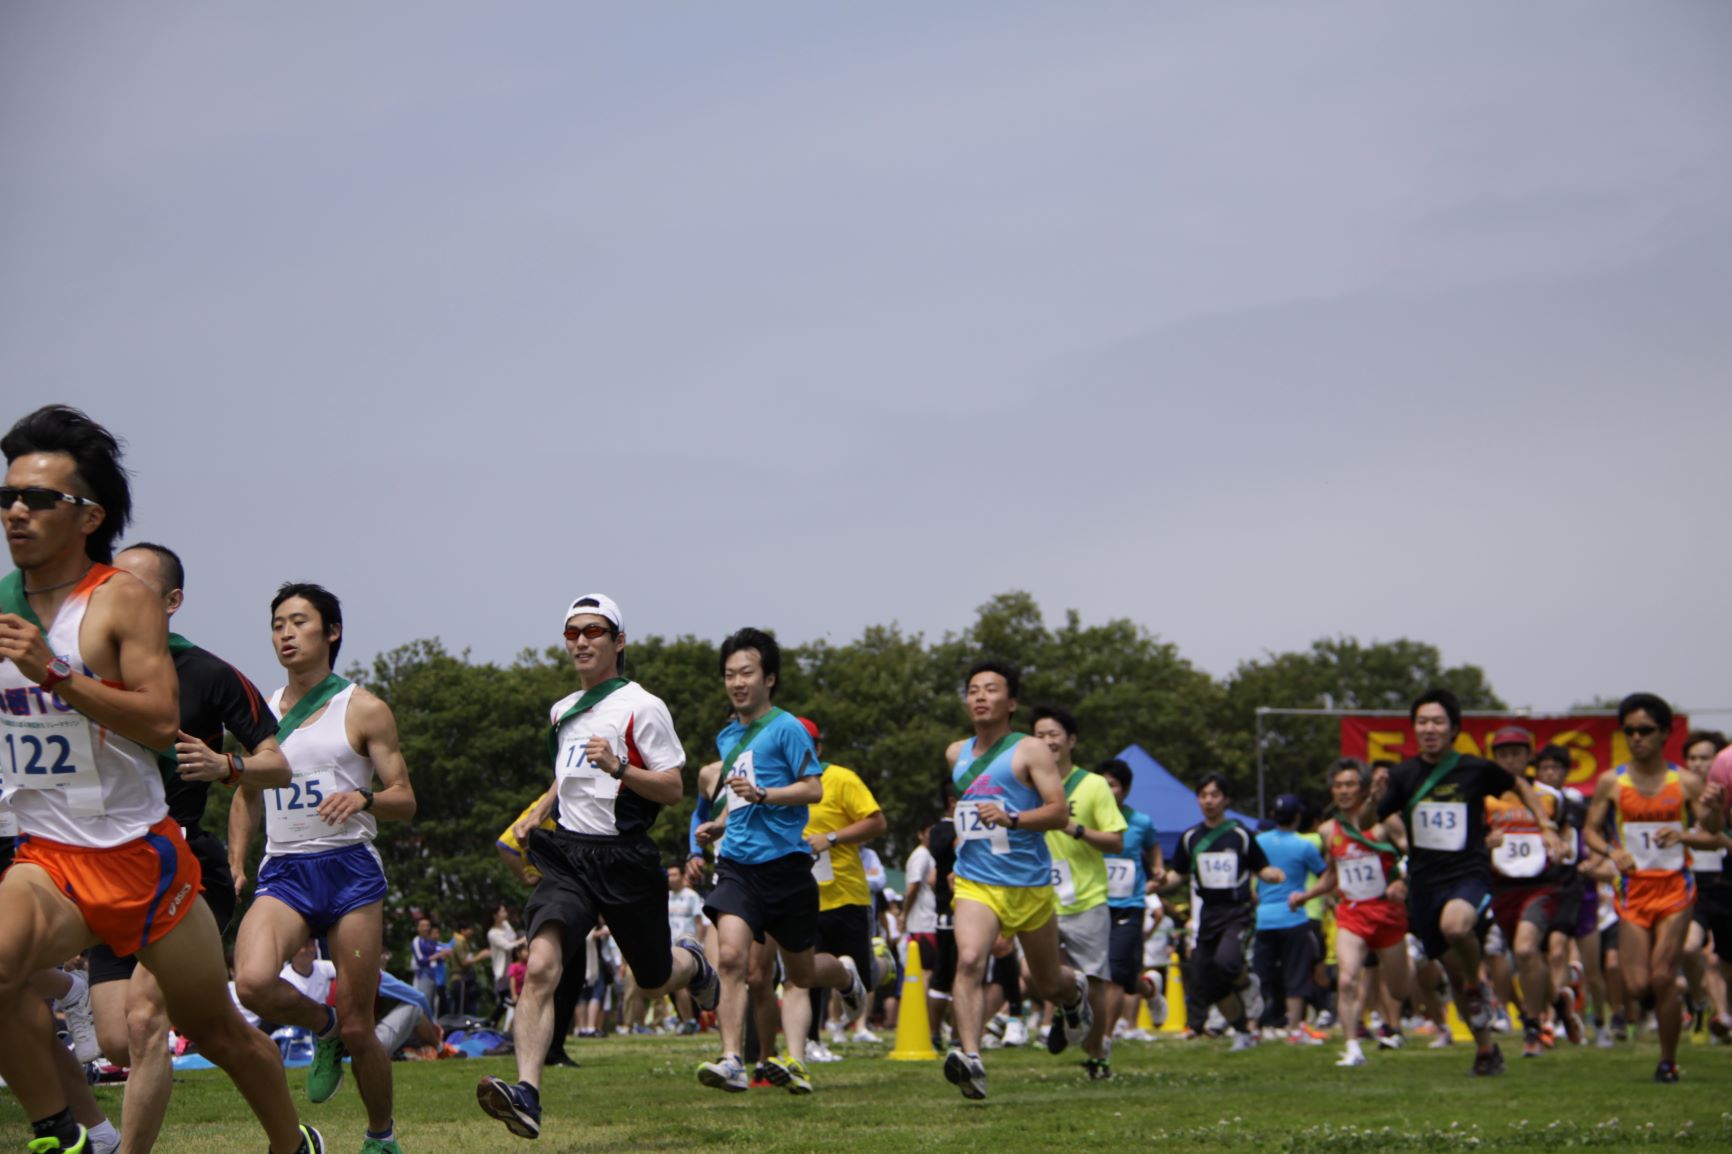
[{"x": 638, "y": 728}]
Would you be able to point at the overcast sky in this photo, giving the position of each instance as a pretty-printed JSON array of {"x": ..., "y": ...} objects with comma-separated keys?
[{"x": 1253, "y": 323}]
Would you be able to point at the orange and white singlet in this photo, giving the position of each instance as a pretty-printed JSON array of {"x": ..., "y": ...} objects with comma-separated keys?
[{"x": 65, "y": 777}]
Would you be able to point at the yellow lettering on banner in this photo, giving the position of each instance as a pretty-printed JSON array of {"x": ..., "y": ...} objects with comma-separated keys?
[
  {"x": 1620, "y": 748},
  {"x": 1383, "y": 744},
  {"x": 1584, "y": 766},
  {"x": 1464, "y": 743}
]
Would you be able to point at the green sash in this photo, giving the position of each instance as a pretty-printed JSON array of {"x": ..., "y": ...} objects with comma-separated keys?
[
  {"x": 179, "y": 644},
  {"x": 316, "y": 699},
  {"x": 740, "y": 746},
  {"x": 590, "y": 699},
  {"x": 979, "y": 765},
  {"x": 1073, "y": 781},
  {"x": 1425, "y": 787},
  {"x": 12, "y": 599},
  {"x": 1354, "y": 832},
  {"x": 1212, "y": 836}
]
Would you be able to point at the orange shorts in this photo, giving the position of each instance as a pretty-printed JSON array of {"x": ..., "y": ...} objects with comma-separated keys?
[
  {"x": 130, "y": 895},
  {"x": 1644, "y": 900}
]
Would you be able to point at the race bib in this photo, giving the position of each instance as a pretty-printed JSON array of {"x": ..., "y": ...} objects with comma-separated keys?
[
  {"x": 8, "y": 822},
  {"x": 1440, "y": 825},
  {"x": 1217, "y": 870},
  {"x": 1063, "y": 882},
  {"x": 1522, "y": 855},
  {"x": 1121, "y": 878},
  {"x": 1708, "y": 861},
  {"x": 52, "y": 752},
  {"x": 575, "y": 765},
  {"x": 1361, "y": 878},
  {"x": 742, "y": 770},
  {"x": 1641, "y": 838},
  {"x": 824, "y": 869},
  {"x": 292, "y": 811},
  {"x": 970, "y": 827}
]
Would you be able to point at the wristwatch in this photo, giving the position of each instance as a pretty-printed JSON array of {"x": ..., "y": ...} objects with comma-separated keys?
[
  {"x": 366, "y": 799},
  {"x": 832, "y": 839},
  {"x": 1076, "y": 831},
  {"x": 1013, "y": 820},
  {"x": 58, "y": 671},
  {"x": 236, "y": 768}
]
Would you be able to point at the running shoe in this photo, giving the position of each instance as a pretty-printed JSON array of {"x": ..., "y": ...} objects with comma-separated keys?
[
  {"x": 1443, "y": 1040},
  {"x": 1016, "y": 1032},
  {"x": 866, "y": 1036},
  {"x": 1325, "y": 1019},
  {"x": 1352, "y": 1057},
  {"x": 1242, "y": 1042},
  {"x": 1303, "y": 1037},
  {"x": 966, "y": 1074},
  {"x": 1620, "y": 1029},
  {"x": 325, "y": 1075},
  {"x": 819, "y": 1052},
  {"x": 1391, "y": 1039},
  {"x": 1073, "y": 1021},
  {"x": 313, "y": 1141},
  {"x": 788, "y": 1073},
  {"x": 1098, "y": 1070},
  {"x": 49, "y": 1145},
  {"x": 381, "y": 1146},
  {"x": 1488, "y": 1064},
  {"x": 517, "y": 1105},
  {"x": 1721, "y": 1028},
  {"x": 728, "y": 1073},
  {"x": 761, "y": 1076},
  {"x": 855, "y": 1000},
  {"x": 1533, "y": 1043},
  {"x": 706, "y": 987},
  {"x": 1603, "y": 1037},
  {"x": 1666, "y": 1072},
  {"x": 80, "y": 1025},
  {"x": 560, "y": 1059}
]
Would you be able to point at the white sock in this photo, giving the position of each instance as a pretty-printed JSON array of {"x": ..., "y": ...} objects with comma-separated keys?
[{"x": 103, "y": 1136}]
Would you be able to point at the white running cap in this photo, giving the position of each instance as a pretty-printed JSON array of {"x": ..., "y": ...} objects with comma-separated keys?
[{"x": 603, "y": 606}]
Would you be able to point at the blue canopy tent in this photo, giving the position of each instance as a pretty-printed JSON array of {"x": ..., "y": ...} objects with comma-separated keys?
[{"x": 1168, "y": 802}]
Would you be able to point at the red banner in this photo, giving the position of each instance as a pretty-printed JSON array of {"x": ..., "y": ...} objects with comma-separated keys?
[{"x": 1596, "y": 744}]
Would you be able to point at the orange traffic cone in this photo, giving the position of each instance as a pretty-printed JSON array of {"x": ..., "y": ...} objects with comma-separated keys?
[{"x": 913, "y": 1035}]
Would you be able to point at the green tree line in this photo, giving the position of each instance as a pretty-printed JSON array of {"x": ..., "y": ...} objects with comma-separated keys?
[{"x": 474, "y": 734}]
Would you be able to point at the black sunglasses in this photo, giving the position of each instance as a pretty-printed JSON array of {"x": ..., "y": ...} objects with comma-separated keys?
[
  {"x": 1640, "y": 730},
  {"x": 37, "y": 499}
]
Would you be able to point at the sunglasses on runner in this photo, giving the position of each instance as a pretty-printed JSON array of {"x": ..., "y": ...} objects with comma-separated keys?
[
  {"x": 37, "y": 500},
  {"x": 1641, "y": 730},
  {"x": 592, "y": 631}
]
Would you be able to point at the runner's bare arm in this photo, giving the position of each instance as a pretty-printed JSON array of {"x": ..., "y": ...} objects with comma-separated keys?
[
  {"x": 1548, "y": 825},
  {"x": 529, "y": 821},
  {"x": 373, "y": 734},
  {"x": 664, "y": 787},
  {"x": 1598, "y": 810},
  {"x": 246, "y": 808},
  {"x": 1325, "y": 885},
  {"x": 265, "y": 766},
  {"x": 145, "y": 706}
]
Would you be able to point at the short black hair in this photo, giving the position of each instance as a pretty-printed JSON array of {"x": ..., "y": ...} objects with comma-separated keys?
[
  {"x": 1217, "y": 780},
  {"x": 320, "y": 598},
  {"x": 1012, "y": 679},
  {"x": 95, "y": 453},
  {"x": 1116, "y": 769},
  {"x": 171, "y": 564},
  {"x": 1553, "y": 752},
  {"x": 1437, "y": 696},
  {"x": 1056, "y": 713},
  {"x": 1712, "y": 736},
  {"x": 769, "y": 653},
  {"x": 1383, "y": 763},
  {"x": 1650, "y": 703}
]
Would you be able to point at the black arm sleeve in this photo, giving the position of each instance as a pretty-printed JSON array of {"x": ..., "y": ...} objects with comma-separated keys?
[
  {"x": 241, "y": 706},
  {"x": 1255, "y": 858}
]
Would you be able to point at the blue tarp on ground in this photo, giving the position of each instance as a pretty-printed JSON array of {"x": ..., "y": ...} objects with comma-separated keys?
[{"x": 1168, "y": 802}]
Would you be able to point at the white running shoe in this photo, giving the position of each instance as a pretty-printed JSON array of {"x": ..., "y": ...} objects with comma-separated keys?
[
  {"x": 865, "y": 1035},
  {"x": 1015, "y": 1032},
  {"x": 80, "y": 1025},
  {"x": 819, "y": 1052},
  {"x": 1353, "y": 1056}
]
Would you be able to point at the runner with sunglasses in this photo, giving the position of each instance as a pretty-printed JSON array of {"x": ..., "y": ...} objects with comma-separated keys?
[
  {"x": 88, "y": 690},
  {"x": 1651, "y": 802},
  {"x": 616, "y": 762},
  {"x": 321, "y": 875},
  {"x": 1435, "y": 804}
]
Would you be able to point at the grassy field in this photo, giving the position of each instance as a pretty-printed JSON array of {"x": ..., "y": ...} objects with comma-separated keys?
[{"x": 641, "y": 1094}]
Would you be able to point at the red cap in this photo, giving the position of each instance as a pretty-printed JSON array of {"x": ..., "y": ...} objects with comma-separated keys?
[
  {"x": 812, "y": 729},
  {"x": 1512, "y": 735}
]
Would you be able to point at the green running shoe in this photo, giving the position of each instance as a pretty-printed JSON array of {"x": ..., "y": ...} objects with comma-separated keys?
[
  {"x": 381, "y": 1146},
  {"x": 50, "y": 1145},
  {"x": 325, "y": 1076}
]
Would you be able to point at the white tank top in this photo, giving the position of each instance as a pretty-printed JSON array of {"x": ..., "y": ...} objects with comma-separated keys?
[
  {"x": 323, "y": 763},
  {"x": 65, "y": 777}
]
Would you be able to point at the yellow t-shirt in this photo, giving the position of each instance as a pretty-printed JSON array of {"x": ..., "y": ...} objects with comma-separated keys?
[
  {"x": 508, "y": 840},
  {"x": 1079, "y": 871},
  {"x": 846, "y": 801}
]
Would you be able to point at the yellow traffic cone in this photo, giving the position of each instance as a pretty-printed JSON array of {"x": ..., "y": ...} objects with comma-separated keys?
[
  {"x": 913, "y": 1035},
  {"x": 1457, "y": 1028},
  {"x": 1175, "y": 995},
  {"x": 1144, "y": 1022}
]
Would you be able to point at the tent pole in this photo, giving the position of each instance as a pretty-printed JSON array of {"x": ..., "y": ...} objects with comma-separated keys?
[{"x": 1262, "y": 810}]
